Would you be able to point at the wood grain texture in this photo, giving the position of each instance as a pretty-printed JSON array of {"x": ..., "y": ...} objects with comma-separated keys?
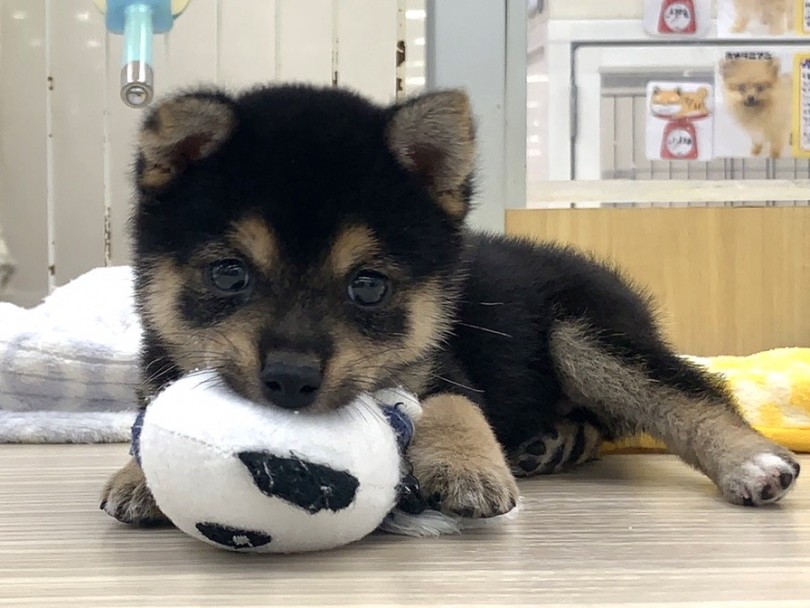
[
  {"x": 728, "y": 281},
  {"x": 629, "y": 530}
]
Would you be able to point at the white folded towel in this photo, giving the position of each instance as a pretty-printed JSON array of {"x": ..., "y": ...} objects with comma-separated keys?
[{"x": 76, "y": 355}]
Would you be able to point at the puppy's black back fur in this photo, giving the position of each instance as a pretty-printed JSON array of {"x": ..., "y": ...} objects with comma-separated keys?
[{"x": 515, "y": 293}]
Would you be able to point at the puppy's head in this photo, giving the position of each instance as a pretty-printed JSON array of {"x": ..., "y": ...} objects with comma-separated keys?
[
  {"x": 750, "y": 83},
  {"x": 301, "y": 241}
]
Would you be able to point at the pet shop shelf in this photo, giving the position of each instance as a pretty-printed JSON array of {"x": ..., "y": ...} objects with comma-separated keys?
[{"x": 597, "y": 74}]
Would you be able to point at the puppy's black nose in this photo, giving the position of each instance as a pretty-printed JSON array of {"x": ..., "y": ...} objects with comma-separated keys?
[
  {"x": 750, "y": 100},
  {"x": 292, "y": 386}
]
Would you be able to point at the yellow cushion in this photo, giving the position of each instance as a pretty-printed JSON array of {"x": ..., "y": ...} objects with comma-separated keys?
[{"x": 772, "y": 389}]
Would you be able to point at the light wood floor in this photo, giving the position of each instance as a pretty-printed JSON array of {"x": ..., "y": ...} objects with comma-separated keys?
[{"x": 627, "y": 531}]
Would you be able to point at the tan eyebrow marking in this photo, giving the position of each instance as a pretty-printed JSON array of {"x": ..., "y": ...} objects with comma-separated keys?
[
  {"x": 352, "y": 245},
  {"x": 255, "y": 238}
]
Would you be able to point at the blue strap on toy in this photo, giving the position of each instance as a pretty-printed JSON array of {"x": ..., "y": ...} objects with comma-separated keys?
[
  {"x": 410, "y": 497},
  {"x": 135, "y": 447},
  {"x": 401, "y": 423}
]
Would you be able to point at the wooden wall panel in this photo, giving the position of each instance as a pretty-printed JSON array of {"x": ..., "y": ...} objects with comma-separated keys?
[{"x": 728, "y": 281}]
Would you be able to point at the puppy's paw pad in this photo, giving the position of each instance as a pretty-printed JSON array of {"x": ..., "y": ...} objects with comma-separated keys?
[
  {"x": 570, "y": 443},
  {"x": 763, "y": 479},
  {"x": 129, "y": 501},
  {"x": 479, "y": 493}
]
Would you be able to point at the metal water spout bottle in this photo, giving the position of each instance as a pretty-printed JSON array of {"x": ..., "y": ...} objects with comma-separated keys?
[{"x": 139, "y": 21}]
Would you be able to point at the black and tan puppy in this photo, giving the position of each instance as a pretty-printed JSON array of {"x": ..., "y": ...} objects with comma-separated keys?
[{"x": 310, "y": 246}]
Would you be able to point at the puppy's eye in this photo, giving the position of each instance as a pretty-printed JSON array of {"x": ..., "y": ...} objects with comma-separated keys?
[
  {"x": 368, "y": 288},
  {"x": 227, "y": 277},
  {"x": 741, "y": 88},
  {"x": 760, "y": 88}
]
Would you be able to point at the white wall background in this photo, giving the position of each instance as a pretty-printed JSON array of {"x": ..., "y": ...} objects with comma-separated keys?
[{"x": 66, "y": 138}]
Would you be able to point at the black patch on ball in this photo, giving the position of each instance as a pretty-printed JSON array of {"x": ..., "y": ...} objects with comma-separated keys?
[
  {"x": 235, "y": 538},
  {"x": 312, "y": 487}
]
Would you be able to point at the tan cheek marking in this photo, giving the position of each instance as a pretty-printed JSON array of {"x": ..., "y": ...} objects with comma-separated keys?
[
  {"x": 161, "y": 294},
  {"x": 253, "y": 236},
  {"x": 352, "y": 246},
  {"x": 365, "y": 360},
  {"x": 428, "y": 320},
  {"x": 355, "y": 357},
  {"x": 231, "y": 344}
]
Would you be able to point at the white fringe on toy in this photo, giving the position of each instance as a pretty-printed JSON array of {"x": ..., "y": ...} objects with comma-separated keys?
[{"x": 434, "y": 523}]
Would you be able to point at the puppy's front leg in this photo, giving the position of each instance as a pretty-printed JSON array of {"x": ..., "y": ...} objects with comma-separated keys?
[
  {"x": 127, "y": 498},
  {"x": 458, "y": 461}
]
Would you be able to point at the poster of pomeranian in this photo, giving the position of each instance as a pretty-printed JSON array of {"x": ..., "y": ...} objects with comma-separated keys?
[{"x": 753, "y": 114}]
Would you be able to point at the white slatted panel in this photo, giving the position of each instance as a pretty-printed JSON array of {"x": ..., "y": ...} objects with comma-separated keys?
[
  {"x": 367, "y": 49},
  {"x": 192, "y": 48},
  {"x": 304, "y": 40},
  {"x": 240, "y": 64},
  {"x": 235, "y": 43},
  {"x": 76, "y": 90},
  {"x": 23, "y": 136}
]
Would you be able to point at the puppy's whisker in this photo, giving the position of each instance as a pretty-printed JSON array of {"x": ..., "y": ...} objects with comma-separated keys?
[
  {"x": 482, "y": 303},
  {"x": 485, "y": 329},
  {"x": 458, "y": 384}
]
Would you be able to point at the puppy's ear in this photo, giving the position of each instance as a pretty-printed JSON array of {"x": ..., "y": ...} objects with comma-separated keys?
[
  {"x": 180, "y": 131},
  {"x": 433, "y": 137},
  {"x": 726, "y": 67}
]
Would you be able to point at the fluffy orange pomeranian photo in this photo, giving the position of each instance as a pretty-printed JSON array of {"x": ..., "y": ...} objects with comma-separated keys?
[{"x": 758, "y": 96}]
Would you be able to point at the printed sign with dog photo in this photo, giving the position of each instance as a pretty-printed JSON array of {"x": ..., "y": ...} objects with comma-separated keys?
[
  {"x": 677, "y": 18},
  {"x": 754, "y": 94},
  {"x": 800, "y": 135},
  {"x": 679, "y": 121},
  {"x": 803, "y": 22},
  {"x": 761, "y": 18}
]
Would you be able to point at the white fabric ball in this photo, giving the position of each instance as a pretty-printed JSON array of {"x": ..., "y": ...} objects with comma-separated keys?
[{"x": 204, "y": 449}]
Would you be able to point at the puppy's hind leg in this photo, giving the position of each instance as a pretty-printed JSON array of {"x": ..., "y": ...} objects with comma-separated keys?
[
  {"x": 647, "y": 388},
  {"x": 568, "y": 443}
]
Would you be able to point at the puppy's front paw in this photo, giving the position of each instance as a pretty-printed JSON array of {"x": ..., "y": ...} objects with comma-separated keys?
[
  {"x": 127, "y": 498},
  {"x": 761, "y": 479},
  {"x": 471, "y": 491},
  {"x": 459, "y": 462}
]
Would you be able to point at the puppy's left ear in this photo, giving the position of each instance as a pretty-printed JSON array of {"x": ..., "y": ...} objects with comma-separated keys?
[{"x": 433, "y": 137}]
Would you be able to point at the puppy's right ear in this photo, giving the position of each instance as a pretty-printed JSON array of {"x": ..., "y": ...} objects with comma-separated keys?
[
  {"x": 179, "y": 132},
  {"x": 726, "y": 67}
]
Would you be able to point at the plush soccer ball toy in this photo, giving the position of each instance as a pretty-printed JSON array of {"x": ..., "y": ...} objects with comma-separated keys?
[{"x": 245, "y": 476}]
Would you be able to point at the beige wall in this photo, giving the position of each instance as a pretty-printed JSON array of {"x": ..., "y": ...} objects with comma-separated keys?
[{"x": 729, "y": 281}]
